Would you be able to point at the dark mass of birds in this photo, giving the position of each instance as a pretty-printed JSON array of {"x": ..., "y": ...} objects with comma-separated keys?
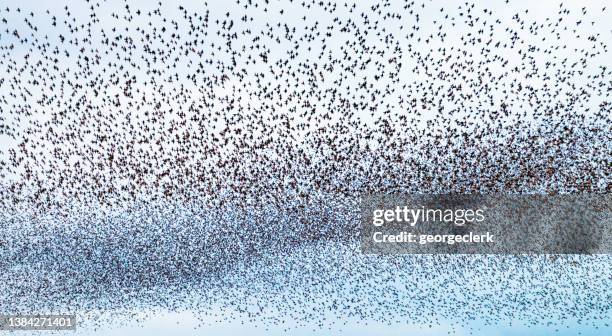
[{"x": 196, "y": 155}]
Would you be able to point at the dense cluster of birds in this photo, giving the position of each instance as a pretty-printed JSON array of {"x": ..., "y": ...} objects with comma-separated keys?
[{"x": 221, "y": 149}]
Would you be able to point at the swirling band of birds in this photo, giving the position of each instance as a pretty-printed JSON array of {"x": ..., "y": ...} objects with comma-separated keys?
[{"x": 221, "y": 149}]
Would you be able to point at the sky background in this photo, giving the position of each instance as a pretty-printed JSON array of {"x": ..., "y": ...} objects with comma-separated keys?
[{"x": 183, "y": 323}]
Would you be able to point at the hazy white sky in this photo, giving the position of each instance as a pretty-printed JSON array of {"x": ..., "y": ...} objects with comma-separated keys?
[{"x": 517, "y": 18}]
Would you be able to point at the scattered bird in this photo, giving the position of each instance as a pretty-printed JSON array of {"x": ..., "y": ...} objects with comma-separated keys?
[{"x": 150, "y": 150}]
